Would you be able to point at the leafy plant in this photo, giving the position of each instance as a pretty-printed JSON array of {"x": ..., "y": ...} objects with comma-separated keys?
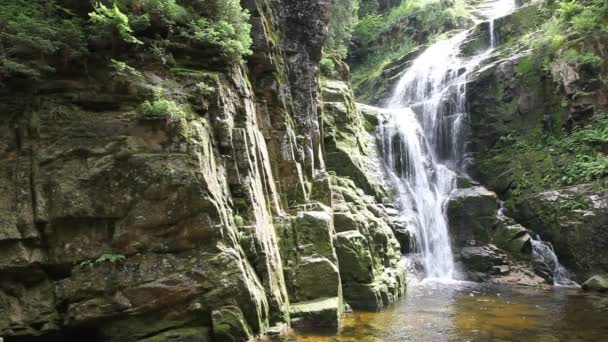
[
  {"x": 123, "y": 69},
  {"x": 111, "y": 23},
  {"x": 112, "y": 258},
  {"x": 204, "y": 89},
  {"x": 327, "y": 66},
  {"x": 37, "y": 35},
  {"x": 161, "y": 108},
  {"x": 238, "y": 220},
  {"x": 229, "y": 29},
  {"x": 368, "y": 27}
]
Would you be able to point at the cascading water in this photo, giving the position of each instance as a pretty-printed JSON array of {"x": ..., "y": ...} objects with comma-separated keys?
[
  {"x": 543, "y": 253},
  {"x": 423, "y": 139}
]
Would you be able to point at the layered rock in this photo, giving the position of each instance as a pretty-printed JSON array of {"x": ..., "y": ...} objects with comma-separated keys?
[{"x": 212, "y": 224}]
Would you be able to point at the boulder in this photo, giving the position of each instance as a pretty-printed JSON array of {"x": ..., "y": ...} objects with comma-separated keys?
[
  {"x": 316, "y": 277},
  {"x": 513, "y": 238},
  {"x": 597, "y": 283},
  {"x": 355, "y": 260},
  {"x": 323, "y": 312},
  {"x": 472, "y": 215}
]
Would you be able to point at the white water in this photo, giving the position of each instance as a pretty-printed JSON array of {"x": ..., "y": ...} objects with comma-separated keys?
[
  {"x": 542, "y": 252},
  {"x": 423, "y": 139}
]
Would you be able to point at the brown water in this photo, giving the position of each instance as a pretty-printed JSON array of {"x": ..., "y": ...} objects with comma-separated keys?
[{"x": 474, "y": 312}]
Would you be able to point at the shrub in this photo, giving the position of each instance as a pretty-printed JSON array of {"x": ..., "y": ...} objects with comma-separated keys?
[
  {"x": 112, "y": 258},
  {"x": 327, "y": 66},
  {"x": 204, "y": 89},
  {"x": 111, "y": 23},
  {"x": 343, "y": 18},
  {"x": 123, "y": 69},
  {"x": 161, "y": 108},
  {"x": 34, "y": 34},
  {"x": 238, "y": 220},
  {"x": 369, "y": 27},
  {"x": 228, "y": 29}
]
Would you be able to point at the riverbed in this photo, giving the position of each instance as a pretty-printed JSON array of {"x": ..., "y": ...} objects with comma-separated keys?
[{"x": 464, "y": 311}]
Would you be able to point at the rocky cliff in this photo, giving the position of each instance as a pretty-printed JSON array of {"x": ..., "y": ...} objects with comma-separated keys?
[{"x": 250, "y": 211}]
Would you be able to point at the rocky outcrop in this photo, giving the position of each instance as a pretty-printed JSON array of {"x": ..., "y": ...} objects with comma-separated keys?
[
  {"x": 368, "y": 252},
  {"x": 574, "y": 219},
  {"x": 489, "y": 246},
  {"x": 218, "y": 220},
  {"x": 523, "y": 105}
]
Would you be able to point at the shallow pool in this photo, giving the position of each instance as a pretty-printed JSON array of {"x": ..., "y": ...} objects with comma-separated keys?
[{"x": 462, "y": 311}]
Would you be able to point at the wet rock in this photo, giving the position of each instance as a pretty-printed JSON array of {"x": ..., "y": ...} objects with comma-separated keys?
[
  {"x": 514, "y": 239},
  {"x": 596, "y": 283},
  {"x": 354, "y": 257},
  {"x": 230, "y": 325},
  {"x": 483, "y": 258},
  {"x": 316, "y": 278},
  {"x": 472, "y": 215},
  {"x": 573, "y": 219},
  {"x": 324, "y": 312}
]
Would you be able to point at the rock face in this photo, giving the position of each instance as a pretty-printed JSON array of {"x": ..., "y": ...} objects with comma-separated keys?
[
  {"x": 214, "y": 226},
  {"x": 575, "y": 220},
  {"x": 518, "y": 109},
  {"x": 489, "y": 246}
]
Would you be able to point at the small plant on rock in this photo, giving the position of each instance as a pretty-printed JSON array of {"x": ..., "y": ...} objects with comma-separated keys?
[{"x": 161, "y": 108}]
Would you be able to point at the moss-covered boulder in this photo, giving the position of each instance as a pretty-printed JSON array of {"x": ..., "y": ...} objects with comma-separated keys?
[
  {"x": 356, "y": 264},
  {"x": 597, "y": 283},
  {"x": 323, "y": 312}
]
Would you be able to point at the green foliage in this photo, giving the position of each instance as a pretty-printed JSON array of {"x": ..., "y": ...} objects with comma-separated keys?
[
  {"x": 369, "y": 27},
  {"x": 38, "y": 37},
  {"x": 204, "y": 89},
  {"x": 229, "y": 29},
  {"x": 343, "y": 19},
  {"x": 161, "y": 108},
  {"x": 568, "y": 9},
  {"x": 238, "y": 220},
  {"x": 123, "y": 69},
  {"x": 589, "y": 58},
  {"x": 538, "y": 161},
  {"x": 328, "y": 68},
  {"x": 35, "y": 33},
  {"x": 111, "y": 23},
  {"x": 112, "y": 258}
]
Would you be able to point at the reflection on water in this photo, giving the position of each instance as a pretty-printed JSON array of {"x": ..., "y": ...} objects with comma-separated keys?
[{"x": 474, "y": 312}]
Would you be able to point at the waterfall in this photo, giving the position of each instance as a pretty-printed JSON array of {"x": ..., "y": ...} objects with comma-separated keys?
[
  {"x": 544, "y": 254},
  {"x": 422, "y": 140}
]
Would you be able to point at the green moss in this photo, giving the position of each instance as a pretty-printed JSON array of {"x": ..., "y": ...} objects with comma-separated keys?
[{"x": 535, "y": 161}]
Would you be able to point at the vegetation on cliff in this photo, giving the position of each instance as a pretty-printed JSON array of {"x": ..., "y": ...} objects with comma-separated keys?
[{"x": 43, "y": 37}]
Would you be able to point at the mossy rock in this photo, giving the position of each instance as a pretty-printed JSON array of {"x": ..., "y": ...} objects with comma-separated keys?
[
  {"x": 597, "y": 283},
  {"x": 229, "y": 324}
]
